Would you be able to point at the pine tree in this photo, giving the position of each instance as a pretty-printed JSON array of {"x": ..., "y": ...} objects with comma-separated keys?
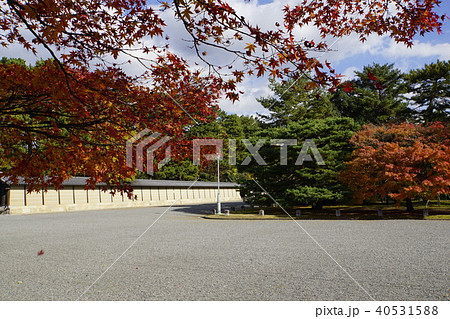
[
  {"x": 306, "y": 183},
  {"x": 430, "y": 87},
  {"x": 374, "y": 96},
  {"x": 296, "y": 100}
]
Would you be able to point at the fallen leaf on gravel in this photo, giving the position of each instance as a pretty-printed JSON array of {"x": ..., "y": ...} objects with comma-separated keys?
[{"x": 40, "y": 252}]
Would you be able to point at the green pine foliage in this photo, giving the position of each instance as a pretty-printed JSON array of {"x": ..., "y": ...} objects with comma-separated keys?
[
  {"x": 430, "y": 91},
  {"x": 375, "y": 96},
  {"x": 310, "y": 183},
  {"x": 181, "y": 171},
  {"x": 296, "y": 100}
]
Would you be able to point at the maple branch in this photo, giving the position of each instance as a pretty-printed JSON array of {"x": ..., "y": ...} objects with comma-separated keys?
[
  {"x": 67, "y": 75},
  {"x": 12, "y": 5}
]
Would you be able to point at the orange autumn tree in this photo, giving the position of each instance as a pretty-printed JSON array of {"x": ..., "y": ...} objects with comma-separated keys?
[
  {"x": 55, "y": 115},
  {"x": 405, "y": 161}
]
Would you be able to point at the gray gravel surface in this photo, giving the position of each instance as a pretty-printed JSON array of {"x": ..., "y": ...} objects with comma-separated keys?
[{"x": 185, "y": 257}]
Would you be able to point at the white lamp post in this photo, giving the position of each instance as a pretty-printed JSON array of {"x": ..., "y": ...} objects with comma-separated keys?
[{"x": 219, "y": 208}]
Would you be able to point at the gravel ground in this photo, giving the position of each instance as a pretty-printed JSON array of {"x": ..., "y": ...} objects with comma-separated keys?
[{"x": 185, "y": 257}]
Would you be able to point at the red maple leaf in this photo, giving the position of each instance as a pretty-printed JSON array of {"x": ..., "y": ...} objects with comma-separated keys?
[
  {"x": 348, "y": 87},
  {"x": 372, "y": 77},
  {"x": 379, "y": 86}
]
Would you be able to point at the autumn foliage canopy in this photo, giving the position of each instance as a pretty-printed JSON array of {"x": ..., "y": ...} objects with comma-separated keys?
[{"x": 56, "y": 126}]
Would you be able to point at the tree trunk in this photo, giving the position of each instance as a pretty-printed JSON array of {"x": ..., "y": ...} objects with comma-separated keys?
[{"x": 409, "y": 205}]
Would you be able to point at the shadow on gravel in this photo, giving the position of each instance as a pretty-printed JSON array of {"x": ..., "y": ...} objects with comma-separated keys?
[{"x": 206, "y": 209}]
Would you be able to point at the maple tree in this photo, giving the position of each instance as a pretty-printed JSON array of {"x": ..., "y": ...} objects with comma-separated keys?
[
  {"x": 79, "y": 108},
  {"x": 404, "y": 161},
  {"x": 49, "y": 134}
]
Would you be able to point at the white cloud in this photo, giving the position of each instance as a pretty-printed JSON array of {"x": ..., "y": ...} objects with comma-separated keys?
[
  {"x": 349, "y": 46},
  {"x": 349, "y": 73},
  {"x": 418, "y": 50},
  {"x": 247, "y": 104}
]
